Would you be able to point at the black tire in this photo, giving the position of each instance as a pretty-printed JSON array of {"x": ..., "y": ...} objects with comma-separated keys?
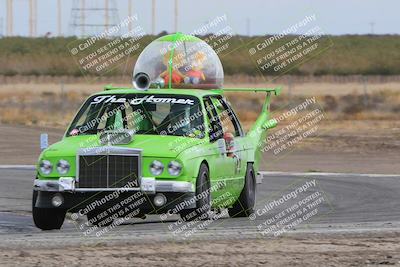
[
  {"x": 47, "y": 218},
  {"x": 244, "y": 206},
  {"x": 203, "y": 202}
]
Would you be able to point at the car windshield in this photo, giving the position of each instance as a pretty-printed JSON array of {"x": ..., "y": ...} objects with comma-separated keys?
[{"x": 150, "y": 114}]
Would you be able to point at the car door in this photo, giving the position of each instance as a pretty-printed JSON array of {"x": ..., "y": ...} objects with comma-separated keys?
[
  {"x": 231, "y": 126},
  {"x": 220, "y": 165},
  {"x": 230, "y": 164}
]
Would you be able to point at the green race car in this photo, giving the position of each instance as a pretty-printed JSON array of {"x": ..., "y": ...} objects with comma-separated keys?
[{"x": 171, "y": 145}]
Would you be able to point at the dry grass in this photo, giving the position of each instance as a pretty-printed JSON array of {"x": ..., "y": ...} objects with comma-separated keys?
[
  {"x": 29, "y": 116},
  {"x": 378, "y": 105},
  {"x": 50, "y": 104},
  {"x": 292, "y": 85},
  {"x": 43, "y": 109}
]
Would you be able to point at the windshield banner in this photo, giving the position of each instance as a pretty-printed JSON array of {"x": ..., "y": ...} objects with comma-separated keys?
[{"x": 141, "y": 100}]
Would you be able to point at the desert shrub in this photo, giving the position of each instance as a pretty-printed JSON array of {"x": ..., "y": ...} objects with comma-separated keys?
[{"x": 329, "y": 103}]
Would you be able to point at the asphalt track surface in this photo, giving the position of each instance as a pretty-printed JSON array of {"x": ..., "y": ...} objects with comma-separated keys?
[{"x": 337, "y": 203}]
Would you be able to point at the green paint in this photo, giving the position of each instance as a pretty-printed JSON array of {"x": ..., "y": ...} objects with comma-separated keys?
[{"x": 167, "y": 148}]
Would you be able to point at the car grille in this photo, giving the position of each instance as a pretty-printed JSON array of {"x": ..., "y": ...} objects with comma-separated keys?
[{"x": 108, "y": 171}]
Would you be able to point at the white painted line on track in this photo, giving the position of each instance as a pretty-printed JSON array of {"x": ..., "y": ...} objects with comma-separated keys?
[
  {"x": 19, "y": 167},
  {"x": 334, "y": 174}
]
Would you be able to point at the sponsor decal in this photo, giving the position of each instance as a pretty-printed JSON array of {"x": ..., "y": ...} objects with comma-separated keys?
[{"x": 141, "y": 100}]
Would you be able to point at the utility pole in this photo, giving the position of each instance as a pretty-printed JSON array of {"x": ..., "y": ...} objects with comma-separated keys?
[
  {"x": 176, "y": 16},
  {"x": 35, "y": 18},
  {"x": 1, "y": 27},
  {"x": 153, "y": 17},
  {"x": 59, "y": 18},
  {"x": 372, "y": 24},
  {"x": 83, "y": 18},
  {"x": 9, "y": 18},
  {"x": 248, "y": 27},
  {"x": 32, "y": 18},
  {"x": 130, "y": 15},
  {"x": 106, "y": 14}
]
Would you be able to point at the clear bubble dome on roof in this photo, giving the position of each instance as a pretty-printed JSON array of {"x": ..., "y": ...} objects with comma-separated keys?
[{"x": 180, "y": 61}]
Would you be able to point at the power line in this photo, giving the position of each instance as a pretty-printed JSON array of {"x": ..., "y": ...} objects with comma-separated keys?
[{"x": 88, "y": 18}]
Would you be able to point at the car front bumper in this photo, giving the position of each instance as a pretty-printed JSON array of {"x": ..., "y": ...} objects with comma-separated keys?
[
  {"x": 149, "y": 185},
  {"x": 177, "y": 194}
]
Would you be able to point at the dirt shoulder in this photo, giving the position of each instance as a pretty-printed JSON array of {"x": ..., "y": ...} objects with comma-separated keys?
[
  {"x": 359, "y": 146},
  {"x": 339, "y": 250},
  {"x": 21, "y": 144}
]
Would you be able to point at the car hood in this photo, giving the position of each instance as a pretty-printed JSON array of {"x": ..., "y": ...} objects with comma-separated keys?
[{"x": 151, "y": 145}]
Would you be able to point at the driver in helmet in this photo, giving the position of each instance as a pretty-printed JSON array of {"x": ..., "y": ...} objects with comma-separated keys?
[{"x": 177, "y": 121}]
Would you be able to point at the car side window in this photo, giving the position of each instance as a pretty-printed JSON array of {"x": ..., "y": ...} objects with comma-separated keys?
[
  {"x": 215, "y": 127},
  {"x": 226, "y": 116},
  {"x": 234, "y": 118}
]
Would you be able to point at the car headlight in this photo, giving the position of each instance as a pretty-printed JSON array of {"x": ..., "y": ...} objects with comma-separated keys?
[
  {"x": 156, "y": 167},
  {"x": 174, "y": 168},
  {"x": 45, "y": 167},
  {"x": 63, "y": 166}
]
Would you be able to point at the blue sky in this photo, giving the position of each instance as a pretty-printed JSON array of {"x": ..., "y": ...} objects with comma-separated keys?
[{"x": 265, "y": 17}]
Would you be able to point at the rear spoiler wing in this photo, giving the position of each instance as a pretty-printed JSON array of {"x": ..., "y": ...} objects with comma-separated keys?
[{"x": 276, "y": 91}]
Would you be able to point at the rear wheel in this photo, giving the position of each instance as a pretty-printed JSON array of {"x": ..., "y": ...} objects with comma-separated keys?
[
  {"x": 244, "y": 206},
  {"x": 203, "y": 196},
  {"x": 47, "y": 218}
]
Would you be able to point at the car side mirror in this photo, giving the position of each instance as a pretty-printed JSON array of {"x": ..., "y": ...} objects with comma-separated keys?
[
  {"x": 221, "y": 145},
  {"x": 44, "y": 141},
  {"x": 270, "y": 124}
]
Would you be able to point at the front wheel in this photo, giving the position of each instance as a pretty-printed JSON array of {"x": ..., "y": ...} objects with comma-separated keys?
[
  {"x": 244, "y": 206},
  {"x": 203, "y": 197},
  {"x": 47, "y": 218}
]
